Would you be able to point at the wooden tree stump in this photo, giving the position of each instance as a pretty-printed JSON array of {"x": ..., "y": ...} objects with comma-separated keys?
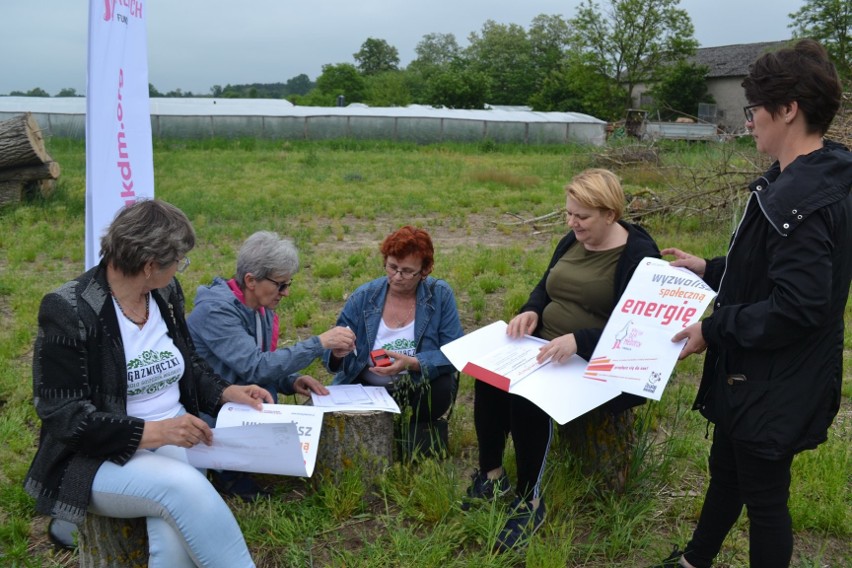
[
  {"x": 21, "y": 143},
  {"x": 26, "y": 169},
  {"x": 355, "y": 440},
  {"x": 105, "y": 542},
  {"x": 603, "y": 443},
  {"x": 16, "y": 191}
]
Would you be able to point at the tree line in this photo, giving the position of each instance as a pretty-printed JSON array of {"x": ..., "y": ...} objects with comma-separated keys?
[{"x": 590, "y": 63}]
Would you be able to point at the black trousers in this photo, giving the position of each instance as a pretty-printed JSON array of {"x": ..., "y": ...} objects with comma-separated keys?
[
  {"x": 496, "y": 415},
  {"x": 738, "y": 478}
]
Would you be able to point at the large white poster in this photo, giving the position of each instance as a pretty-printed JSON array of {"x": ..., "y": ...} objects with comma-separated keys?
[
  {"x": 119, "y": 154},
  {"x": 635, "y": 352}
]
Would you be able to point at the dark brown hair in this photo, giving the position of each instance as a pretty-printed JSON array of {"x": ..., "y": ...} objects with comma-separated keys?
[{"x": 801, "y": 73}]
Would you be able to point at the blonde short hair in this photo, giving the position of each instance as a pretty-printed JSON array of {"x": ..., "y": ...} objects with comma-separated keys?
[{"x": 597, "y": 188}]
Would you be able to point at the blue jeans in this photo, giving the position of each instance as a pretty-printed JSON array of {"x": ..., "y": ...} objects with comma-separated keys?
[
  {"x": 188, "y": 522},
  {"x": 738, "y": 478}
]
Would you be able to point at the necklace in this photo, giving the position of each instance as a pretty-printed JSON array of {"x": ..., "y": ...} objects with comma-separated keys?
[
  {"x": 121, "y": 309},
  {"x": 404, "y": 320}
]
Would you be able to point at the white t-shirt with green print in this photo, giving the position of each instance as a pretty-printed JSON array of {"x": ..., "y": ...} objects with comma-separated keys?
[{"x": 154, "y": 367}]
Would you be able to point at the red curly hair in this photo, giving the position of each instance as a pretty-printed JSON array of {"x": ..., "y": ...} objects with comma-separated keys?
[{"x": 410, "y": 241}]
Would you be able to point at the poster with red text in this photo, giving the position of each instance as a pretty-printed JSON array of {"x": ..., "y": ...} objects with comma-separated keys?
[
  {"x": 119, "y": 153},
  {"x": 635, "y": 353}
]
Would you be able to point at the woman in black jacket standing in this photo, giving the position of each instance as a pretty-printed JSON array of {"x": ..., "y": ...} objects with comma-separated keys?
[{"x": 774, "y": 364}]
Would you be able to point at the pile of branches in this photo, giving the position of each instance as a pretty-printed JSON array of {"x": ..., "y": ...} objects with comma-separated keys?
[
  {"x": 841, "y": 127},
  {"x": 713, "y": 191}
]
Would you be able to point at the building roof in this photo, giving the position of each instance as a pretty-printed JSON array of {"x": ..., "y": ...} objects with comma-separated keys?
[
  {"x": 733, "y": 60},
  {"x": 279, "y": 107}
]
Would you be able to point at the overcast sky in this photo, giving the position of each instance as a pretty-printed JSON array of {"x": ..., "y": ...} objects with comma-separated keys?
[{"x": 195, "y": 44}]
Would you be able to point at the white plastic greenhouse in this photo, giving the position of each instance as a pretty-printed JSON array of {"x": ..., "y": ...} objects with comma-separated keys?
[{"x": 279, "y": 119}]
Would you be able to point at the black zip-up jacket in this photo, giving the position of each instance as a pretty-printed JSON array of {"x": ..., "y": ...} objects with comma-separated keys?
[
  {"x": 774, "y": 363},
  {"x": 639, "y": 245}
]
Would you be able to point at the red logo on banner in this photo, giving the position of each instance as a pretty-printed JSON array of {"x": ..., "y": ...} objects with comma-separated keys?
[{"x": 135, "y": 7}]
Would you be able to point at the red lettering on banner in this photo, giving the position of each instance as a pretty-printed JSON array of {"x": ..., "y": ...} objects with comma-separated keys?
[{"x": 134, "y": 7}]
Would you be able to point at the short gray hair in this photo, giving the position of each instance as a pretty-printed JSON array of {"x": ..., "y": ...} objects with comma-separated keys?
[
  {"x": 265, "y": 253},
  {"x": 147, "y": 230}
]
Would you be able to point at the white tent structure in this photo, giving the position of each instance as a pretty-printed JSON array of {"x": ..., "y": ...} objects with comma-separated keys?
[{"x": 279, "y": 119}]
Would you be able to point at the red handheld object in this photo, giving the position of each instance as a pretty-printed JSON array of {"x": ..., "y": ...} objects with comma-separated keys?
[{"x": 380, "y": 358}]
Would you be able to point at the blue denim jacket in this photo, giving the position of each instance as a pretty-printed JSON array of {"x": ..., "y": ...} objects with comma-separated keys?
[
  {"x": 436, "y": 323},
  {"x": 224, "y": 331}
]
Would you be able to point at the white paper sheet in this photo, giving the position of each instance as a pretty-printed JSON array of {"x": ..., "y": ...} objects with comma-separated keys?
[
  {"x": 281, "y": 439},
  {"x": 557, "y": 388},
  {"x": 355, "y": 397}
]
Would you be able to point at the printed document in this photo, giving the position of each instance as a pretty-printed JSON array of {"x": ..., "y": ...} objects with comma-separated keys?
[{"x": 281, "y": 439}]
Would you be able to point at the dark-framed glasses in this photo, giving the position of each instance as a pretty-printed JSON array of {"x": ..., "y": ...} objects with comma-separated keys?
[
  {"x": 404, "y": 273},
  {"x": 282, "y": 286},
  {"x": 749, "y": 114},
  {"x": 182, "y": 264}
]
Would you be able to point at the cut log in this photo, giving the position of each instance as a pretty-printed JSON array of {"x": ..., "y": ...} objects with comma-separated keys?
[
  {"x": 47, "y": 170},
  {"x": 105, "y": 542},
  {"x": 17, "y": 191},
  {"x": 603, "y": 443},
  {"x": 362, "y": 440},
  {"x": 21, "y": 143}
]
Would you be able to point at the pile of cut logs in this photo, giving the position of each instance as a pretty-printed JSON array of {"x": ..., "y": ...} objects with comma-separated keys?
[{"x": 26, "y": 169}]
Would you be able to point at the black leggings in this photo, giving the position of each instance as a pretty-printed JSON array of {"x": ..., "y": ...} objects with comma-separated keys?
[
  {"x": 496, "y": 414},
  {"x": 739, "y": 478}
]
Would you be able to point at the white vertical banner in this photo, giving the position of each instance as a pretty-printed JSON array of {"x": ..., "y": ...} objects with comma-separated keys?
[{"x": 119, "y": 153}]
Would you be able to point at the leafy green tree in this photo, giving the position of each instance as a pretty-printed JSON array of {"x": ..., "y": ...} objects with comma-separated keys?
[
  {"x": 153, "y": 92},
  {"x": 435, "y": 54},
  {"x": 37, "y": 92},
  {"x": 299, "y": 85},
  {"x": 830, "y": 23},
  {"x": 216, "y": 91},
  {"x": 632, "y": 39},
  {"x": 67, "y": 92},
  {"x": 340, "y": 79},
  {"x": 580, "y": 86},
  {"x": 459, "y": 87},
  {"x": 680, "y": 88},
  {"x": 376, "y": 56},
  {"x": 389, "y": 89},
  {"x": 550, "y": 39},
  {"x": 503, "y": 54}
]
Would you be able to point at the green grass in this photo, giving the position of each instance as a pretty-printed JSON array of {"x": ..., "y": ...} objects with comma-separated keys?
[{"x": 337, "y": 200}]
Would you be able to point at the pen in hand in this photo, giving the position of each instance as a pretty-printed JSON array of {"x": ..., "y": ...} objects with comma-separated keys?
[{"x": 355, "y": 349}]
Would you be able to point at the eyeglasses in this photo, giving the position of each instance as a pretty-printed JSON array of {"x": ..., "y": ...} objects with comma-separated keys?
[
  {"x": 182, "y": 264},
  {"x": 282, "y": 286},
  {"x": 405, "y": 273},
  {"x": 749, "y": 114}
]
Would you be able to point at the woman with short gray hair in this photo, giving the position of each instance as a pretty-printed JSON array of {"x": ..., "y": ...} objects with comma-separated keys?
[{"x": 235, "y": 328}]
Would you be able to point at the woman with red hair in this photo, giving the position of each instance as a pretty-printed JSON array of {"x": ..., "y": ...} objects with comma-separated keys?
[{"x": 409, "y": 315}]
